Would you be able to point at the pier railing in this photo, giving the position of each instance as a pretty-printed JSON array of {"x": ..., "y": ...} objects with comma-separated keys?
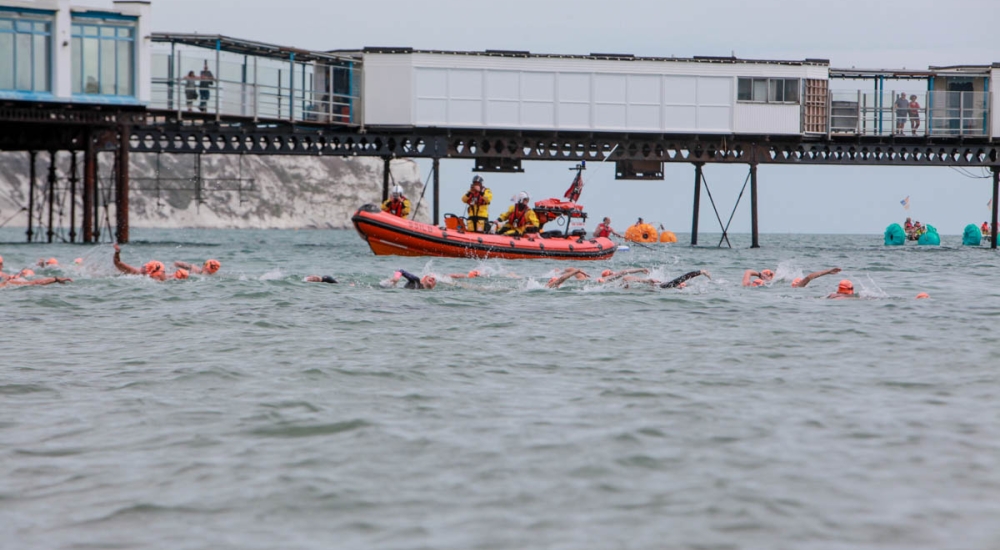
[
  {"x": 936, "y": 113},
  {"x": 251, "y": 100}
]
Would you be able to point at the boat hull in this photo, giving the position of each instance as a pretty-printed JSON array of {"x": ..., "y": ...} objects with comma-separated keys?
[{"x": 388, "y": 235}]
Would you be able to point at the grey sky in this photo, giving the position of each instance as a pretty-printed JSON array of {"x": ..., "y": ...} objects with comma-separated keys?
[{"x": 884, "y": 34}]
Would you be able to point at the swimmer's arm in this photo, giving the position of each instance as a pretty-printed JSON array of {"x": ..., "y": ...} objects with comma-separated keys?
[
  {"x": 408, "y": 276},
  {"x": 685, "y": 277},
  {"x": 805, "y": 280},
  {"x": 554, "y": 283},
  {"x": 749, "y": 274},
  {"x": 122, "y": 266}
]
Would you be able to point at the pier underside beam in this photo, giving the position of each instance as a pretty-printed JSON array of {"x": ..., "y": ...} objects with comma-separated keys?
[
  {"x": 73, "y": 179},
  {"x": 386, "y": 170},
  {"x": 437, "y": 188},
  {"x": 52, "y": 193},
  {"x": 754, "y": 242},
  {"x": 31, "y": 194},
  {"x": 89, "y": 189},
  {"x": 121, "y": 186}
]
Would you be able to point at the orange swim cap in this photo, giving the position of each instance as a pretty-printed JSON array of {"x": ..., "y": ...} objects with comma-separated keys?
[
  {"x": 766, "y": 273},
  {"x": 52, "y": 261},
  {"x": 211, "y": 266},
  {"x": 605, "y": 273},
  {"x": 757, "y": 282},
  {"x": 473, "y": 274},
  {"x": 796, "y": 281},
  {"x": 78, "y": 261},
  {"x": 26, "y": 272},
  {"x": 923, "y": 295},
  {"x": 152, "y": 268},
  {"x": 845, "y": 287},
  {"x": 181, "y": 274}
]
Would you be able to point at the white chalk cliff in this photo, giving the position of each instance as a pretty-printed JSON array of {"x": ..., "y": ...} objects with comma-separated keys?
[{"x": 259, "y": 192}]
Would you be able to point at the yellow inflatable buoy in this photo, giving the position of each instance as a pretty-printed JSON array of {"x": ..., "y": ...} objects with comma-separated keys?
[
  {"x": 668, "y": 237},
  {"x": 641, "y": 233}
]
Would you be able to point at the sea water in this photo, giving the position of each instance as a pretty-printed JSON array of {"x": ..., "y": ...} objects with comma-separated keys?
[{"x": 251, "y": 409}]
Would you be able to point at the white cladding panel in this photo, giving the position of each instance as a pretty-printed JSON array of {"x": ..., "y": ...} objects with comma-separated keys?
[
  {"x": 472, "y": 91},
  {"x": 387, "y": 84},
  {"x": 994, "y": 105},
  {"x": 761, "y": 118}
]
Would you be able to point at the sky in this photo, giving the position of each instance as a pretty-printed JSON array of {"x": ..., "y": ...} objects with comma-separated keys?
[{"x": 911, "y": 34}]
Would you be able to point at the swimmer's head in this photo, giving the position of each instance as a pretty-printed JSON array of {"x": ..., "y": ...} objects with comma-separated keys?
[
  {"x": 606, "y": 273},
  {"x": 428, "y": 281},
  {"x": 78, "y": 261},
  {"x": 757, "y": 282},
  {"x": 181, "y": 274},
  {"x": 579, "y": 276},
  {"x": 766, "y": 274},
  {"x": 845, "y": 287},
  {"x": 211, "y": 266},
  {"x": 923, "y": 295},
  {"x": 474, "y": 273},
  {"x": 52, "y": 261},
  {"x": 153, "y": 268},
  {"x": 26, "y": 273},
  {"x": 796, "y": 281},
  {"x": 1, "y": 261}
]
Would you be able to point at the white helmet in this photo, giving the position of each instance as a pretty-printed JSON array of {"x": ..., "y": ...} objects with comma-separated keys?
[
  {"x": 521, "y": 197},
  {"x": 397, "y": 191}
]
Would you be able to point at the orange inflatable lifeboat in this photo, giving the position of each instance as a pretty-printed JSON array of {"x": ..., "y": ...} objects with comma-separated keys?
[
  {"x": 642, "y": 233},
  {"x": 391, "y": 235}
]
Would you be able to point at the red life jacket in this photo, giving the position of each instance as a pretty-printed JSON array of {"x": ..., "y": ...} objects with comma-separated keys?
[
  {"x": 396, "y": 207},
  {"x": 518, "y": 219},
  {"x": 602, "y": 231}
]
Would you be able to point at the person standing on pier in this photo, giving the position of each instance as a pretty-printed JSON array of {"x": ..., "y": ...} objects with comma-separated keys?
[
  {"x": 914, "y": 114},
  {"x": 397, "y": 204},
  {"x": 207, "y": 80},
  {"x": 478, "y": 197},
  {"x": 190, "y": 89},
  {"x": 902, "y": 109}
]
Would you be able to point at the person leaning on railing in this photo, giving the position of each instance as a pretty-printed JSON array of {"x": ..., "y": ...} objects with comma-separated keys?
[{"x": 207, "y": 81}]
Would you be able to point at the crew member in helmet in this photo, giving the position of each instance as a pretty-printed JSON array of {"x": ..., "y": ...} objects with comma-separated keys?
[
  {"x": 397, "y": 204},
  {"x": 520, "y": 218},
  {"x": 478, "y": 198}
]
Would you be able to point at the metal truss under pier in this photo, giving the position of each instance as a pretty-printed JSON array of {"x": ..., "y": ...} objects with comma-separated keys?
[{"x": 281, "y": 139}]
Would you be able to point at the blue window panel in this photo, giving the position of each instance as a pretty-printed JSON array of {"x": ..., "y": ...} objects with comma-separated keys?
[
  {"x": 25, "y": 52},
  {"x": 103, "y": 57}
]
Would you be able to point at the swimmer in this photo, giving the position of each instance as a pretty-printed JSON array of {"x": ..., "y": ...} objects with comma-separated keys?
[
  {"x": 152, "y": 269},
  {"x": 567, "y": 274},
  {"x": 426, "y": 282},
  {"x": 803, "y": 281},
  {"x": 209, "y": 268},
  {"x": 36, "y": 282},
  {"x": 470, "y": 275},
  {"x": 319, "y": 279},
  {"x": 763, "y": 276},
  {"x": 844, "y": 290},
  {"x": 607, "y": 275},
  {"x": 51, "y": 262},
  {"x": 679, "y": 282}
]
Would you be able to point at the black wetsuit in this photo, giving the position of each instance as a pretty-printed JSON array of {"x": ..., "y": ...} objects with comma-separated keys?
[
  {"x": 412, "y": 281},
  {"x": 328, "y": 279},
  {"x": 676, "y": 282}
]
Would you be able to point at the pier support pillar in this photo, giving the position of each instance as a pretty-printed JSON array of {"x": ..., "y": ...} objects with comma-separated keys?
[
  {"x": 31, "y": 195},
  {"x": 72, "y": 196},
  {"x": 385, "y": 179},
  {"x": 753, "y": 206},
  {"x": 89, "y": 191},
  {"x": 121, "y": 186},
  {"x": 697, "y": 202},
  {"x": 996, "y": 191},
  {"x": 52, "y": 193},
  {"x": 437, "y": 188}
]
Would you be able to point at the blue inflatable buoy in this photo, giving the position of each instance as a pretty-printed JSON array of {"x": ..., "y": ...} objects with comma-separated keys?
[
  {"x": 930, "y": 237},
  {"x": 894, "y": 235},
  {"x": 972, "y": 236}
]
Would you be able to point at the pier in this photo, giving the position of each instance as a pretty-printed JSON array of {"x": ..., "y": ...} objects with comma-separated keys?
[{"x": 206, "y": 94}]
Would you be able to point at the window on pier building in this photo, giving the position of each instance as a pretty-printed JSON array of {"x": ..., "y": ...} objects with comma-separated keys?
[
  {"x": 25, "y": 46},
  {"x": 768, "y": 90},
  {"x": 104, "y": 56}
]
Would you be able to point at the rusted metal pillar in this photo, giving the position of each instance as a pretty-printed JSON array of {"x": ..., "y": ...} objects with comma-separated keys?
[
  {"x": 89, "y": 189},
  {"x": 996, "y": 198},
  {"x": 437, "y": 188},
  {"x": 697, "y": 202},
  {"x": 52, "y": 191},
  {"x": 121, "y": 186},
  {"x": 385, "y": 179},
  {"x": 753, "y": 206},
  {"x": 72, "y": 196},
  {"x": 31, "y": 195}
]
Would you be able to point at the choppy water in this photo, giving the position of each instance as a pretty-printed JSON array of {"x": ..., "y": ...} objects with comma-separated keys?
[{"x": 253, "y": 410}]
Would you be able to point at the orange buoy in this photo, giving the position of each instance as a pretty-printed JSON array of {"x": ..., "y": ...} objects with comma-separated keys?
[{"x": 668, "y": 237}]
